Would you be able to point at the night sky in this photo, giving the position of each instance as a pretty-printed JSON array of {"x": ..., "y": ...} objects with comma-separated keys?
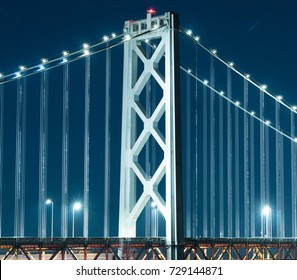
[{"x": 258, "y": 36}]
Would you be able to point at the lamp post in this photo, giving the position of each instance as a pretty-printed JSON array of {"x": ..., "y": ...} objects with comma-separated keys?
[
  {"x": 76, "y": 207},
  {"x": 266, "y": 212},
  {"x": 48, "y": 202}
]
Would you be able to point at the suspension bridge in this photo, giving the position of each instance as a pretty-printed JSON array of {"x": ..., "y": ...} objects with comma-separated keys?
[{"x": 206, "y": 167}]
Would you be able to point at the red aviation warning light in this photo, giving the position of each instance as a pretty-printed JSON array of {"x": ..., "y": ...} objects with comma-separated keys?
[{"x": 151, "y": 11}]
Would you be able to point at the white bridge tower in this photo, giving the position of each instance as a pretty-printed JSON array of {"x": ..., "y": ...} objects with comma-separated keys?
[{"x": 163, "y": 30}]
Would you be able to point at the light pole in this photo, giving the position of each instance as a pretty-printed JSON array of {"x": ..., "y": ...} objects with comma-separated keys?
[
  {"x": 155, "y": 219},
  {"x": 76, "y": 207},
  {"x": 48, "y": 202},
  {"x": 266, "y": 212}
]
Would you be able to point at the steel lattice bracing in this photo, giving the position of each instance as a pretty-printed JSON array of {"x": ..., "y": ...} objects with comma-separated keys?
[
  {"x": 147, "y": 249},
  {"x": 164, "y": 30}
]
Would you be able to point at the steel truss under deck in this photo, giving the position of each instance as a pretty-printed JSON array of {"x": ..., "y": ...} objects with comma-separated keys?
[{"x": 146, "y": 248}]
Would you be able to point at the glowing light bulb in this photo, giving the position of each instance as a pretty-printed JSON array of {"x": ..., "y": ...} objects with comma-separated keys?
[
  {"x": 86, "y": 49},
  {"x": 279, "y": 97},
  {"x": 18, "y": 75},
  {"x": 294, "y": 108},
  {"x": 189, "y": 32},
  {"x": 264, "y": 87},
  {"x": 295, "y": 139},
  {"x": 48, "y": 201},
  {"x": 237, "y": 103},
  {"x": 253, "y": 113},
  {"x": 77, "y": 206},
  {"x": 113, "y": 35},
  {"x": 247, "y": 76},
  {"x": 189, "y": 71},
  {"x": 65, "y": 54},
  {"x": 105, "y": 38},
  {"x": 231, "y": 64},
  {"x": 41, "y": 67},
  {"x": 44, "y": 60},
  {"x": 205, "y": 82},
  {"x": 1, "y": 75},
  {"x": 127, "y": 37},
  {"x": 214, "y": 52},
  {"x": 22, "y": 68},
  {"x": 266, "y": 210},
  {"x": 267, "y": 122},
  {"x": 222, "y": 93},
  {"x": 86, "y": 52},
  {"x": 197, "y": 38}
]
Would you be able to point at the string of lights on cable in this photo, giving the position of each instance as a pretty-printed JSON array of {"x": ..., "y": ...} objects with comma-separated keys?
[
  {"x": 231, "y": 65},
  {"x": 114, "y": 40},
  {"x": 107, "y": 42},
  {"x": 238, "y": 104}
]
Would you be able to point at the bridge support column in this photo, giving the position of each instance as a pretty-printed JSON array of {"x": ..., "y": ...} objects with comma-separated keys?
[{"x": 163, "y": 66}]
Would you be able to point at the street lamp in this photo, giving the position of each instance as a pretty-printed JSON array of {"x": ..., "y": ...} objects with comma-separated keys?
[
  {"x": 155, "y": 219},
  {"x": 266, "y": 212},
  {"x": 76, "y": 207},
  {"x": 48, "y": 202}
]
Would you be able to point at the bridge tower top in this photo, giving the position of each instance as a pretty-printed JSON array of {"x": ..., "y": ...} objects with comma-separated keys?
[{"x": 150, "y": 23}]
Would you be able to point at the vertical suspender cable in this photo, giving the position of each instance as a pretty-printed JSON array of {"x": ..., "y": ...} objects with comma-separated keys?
[
  {"x": 293, "y": 177},
  {"x": 221, "y": 170},
  {"x": 252, "y": 183},
  {"x": 279, "y": 177},
  {"x": 205, "y": 162},
  {"x": 23, "y": 169},
  {"x": 237, "y": 208},
  {"x": 212, "y": 151},
  {"x": 23, "y": 156},
  {"x": 19, "y": 222},
  {"x": 277, "y": 172},
  {"x": 107, "y": 144},
  {"x": 283, "y": 215},
  {"x": 188, "y": 156},
  {"x": 195, "y": 204},
  {"x": 1, "y": 152},
  {"x": 229, "y": 153},
  {"x": 86, "y": 147},
  {"x": 246, "y": 162},
  {"x": 267, "y": 172},
  {"x": 65, "y": 152},
  {"x": 43, "y": 136},
  {"x": 17, "y": 163},
  {"x": 262, "y": 162}
]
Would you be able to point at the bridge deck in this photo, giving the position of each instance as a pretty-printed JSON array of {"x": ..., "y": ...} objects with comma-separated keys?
[{"x": 147, "y": 248}]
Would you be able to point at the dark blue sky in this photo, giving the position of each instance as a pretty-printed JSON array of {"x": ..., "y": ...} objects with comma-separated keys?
[{"x": 258, "y": 36}]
